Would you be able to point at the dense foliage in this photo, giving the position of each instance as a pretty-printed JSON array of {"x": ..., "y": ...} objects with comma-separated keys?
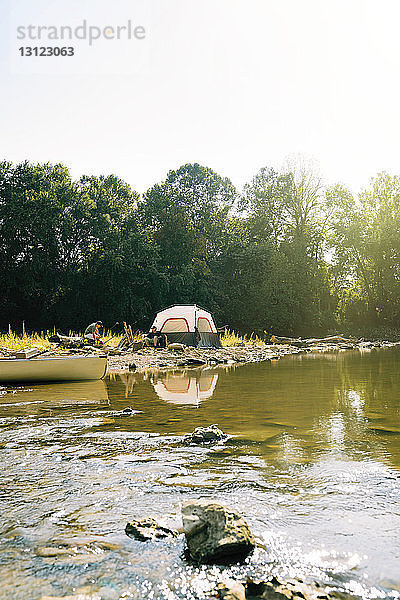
[{"x": 286, "y": 256}]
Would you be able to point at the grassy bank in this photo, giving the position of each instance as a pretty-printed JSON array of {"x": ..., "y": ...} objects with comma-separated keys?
[
  {"x": 17, "y": 341},
  {"x": 231, "y": 338},
  {"x": 12, "y": 341}
]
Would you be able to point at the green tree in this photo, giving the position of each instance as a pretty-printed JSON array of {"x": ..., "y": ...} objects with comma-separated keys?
[
  {"x": 72, "y": 251},
  {"x": 33, "y": 201},
  {"x": 266, "y": 202},
  {"x": 290, "y": 211},
  {"x": 367, "y": 252},
  {"x": 187, "y": 216}
]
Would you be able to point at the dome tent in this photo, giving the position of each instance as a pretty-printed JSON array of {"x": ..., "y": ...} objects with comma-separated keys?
[{"x": 188, "y": 324}]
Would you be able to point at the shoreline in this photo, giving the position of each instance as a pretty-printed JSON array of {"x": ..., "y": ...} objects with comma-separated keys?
[{"x": 151, "y": 359}]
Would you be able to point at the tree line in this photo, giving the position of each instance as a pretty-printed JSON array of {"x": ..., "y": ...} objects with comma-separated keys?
[{"x": 285, "y": 255}]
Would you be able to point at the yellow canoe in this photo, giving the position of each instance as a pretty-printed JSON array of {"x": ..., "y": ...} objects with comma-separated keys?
[{"x": 54, "y": 368}]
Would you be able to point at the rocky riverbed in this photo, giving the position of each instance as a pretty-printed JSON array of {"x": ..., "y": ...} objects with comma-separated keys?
[
  {"x": 160, "y": 358},
  {"x": 175, "y": 356}
]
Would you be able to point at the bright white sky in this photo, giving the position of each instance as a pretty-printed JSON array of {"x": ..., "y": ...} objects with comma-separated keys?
[{"x": 232, "y": 84}]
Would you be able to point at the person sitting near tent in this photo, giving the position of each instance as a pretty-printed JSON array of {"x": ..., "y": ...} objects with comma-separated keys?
[
  {"x": 92, "y": 332},
  {"x": 152, "y": 337}
]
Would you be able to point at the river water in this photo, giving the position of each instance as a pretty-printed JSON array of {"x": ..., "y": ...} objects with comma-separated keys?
[{"x": 312, "y": 463}]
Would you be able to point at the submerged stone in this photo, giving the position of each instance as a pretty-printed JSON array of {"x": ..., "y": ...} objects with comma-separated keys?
[
  {"x": 292, "y": 589},
  {"x": 203, "y": 435},
  {"x": 73, "y": 597},
  {"x": 215, "y": 532},
  {"x": 148, "y": 529},
  {"x": 126, "y": 412},
  {"x": 75, "y": 553},
  {"x": 231, "y": 590}
]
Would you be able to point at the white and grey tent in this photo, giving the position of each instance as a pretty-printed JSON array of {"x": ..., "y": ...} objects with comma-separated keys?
[{"x": 188, "y": 324}]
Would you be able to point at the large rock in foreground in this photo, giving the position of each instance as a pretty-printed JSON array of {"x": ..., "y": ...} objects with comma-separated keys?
[{"x": 215, "y": 533}]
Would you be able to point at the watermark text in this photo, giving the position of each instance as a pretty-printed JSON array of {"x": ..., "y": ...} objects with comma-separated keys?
[{"x": 84, "y": 32}]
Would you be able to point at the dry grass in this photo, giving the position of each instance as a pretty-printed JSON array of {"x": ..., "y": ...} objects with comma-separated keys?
[
  {"x": 231, "y": 338},
  {"x": 12, "y": 341},
  {"x": 15, "y": 341}
]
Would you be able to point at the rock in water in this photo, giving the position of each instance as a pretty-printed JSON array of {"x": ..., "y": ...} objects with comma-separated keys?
[
  {"x": 291, "y": 589},
  {"x": 203, "y": 435},
  {"x": 215, "y": 533},
  {"x": 148, "y": 529},
  {"x": 231, "y": 590},
  {"x": 126, "y": 412}
]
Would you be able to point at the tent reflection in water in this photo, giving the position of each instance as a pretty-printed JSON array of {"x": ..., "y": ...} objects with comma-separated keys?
[
  {"x": 188, "y": 324},
  {"x": 186, "y": 387}
]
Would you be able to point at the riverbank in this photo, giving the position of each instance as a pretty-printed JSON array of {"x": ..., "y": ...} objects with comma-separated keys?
[
  {"x": 159, "y": 358},
  {"x": 142, "y": 359}
]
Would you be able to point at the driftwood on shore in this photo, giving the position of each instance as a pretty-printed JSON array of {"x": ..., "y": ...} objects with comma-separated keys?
[
  {"x": 76, "y": 342},
  {"x": 67, "y": 341},
  {"x": 333, "y": 339}
]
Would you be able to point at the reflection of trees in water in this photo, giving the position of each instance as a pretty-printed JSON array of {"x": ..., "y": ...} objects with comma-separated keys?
[
  {"x": 128, "y": 379},
  {"x": 363, "y": 411},
  {"x": 344, "y": 403}
]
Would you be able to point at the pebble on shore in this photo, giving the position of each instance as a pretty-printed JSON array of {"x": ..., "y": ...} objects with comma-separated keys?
[{"x": 160, "y": 358}]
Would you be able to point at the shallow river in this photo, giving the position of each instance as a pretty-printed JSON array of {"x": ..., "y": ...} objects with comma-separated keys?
[{"x": 313, "y": 465}]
